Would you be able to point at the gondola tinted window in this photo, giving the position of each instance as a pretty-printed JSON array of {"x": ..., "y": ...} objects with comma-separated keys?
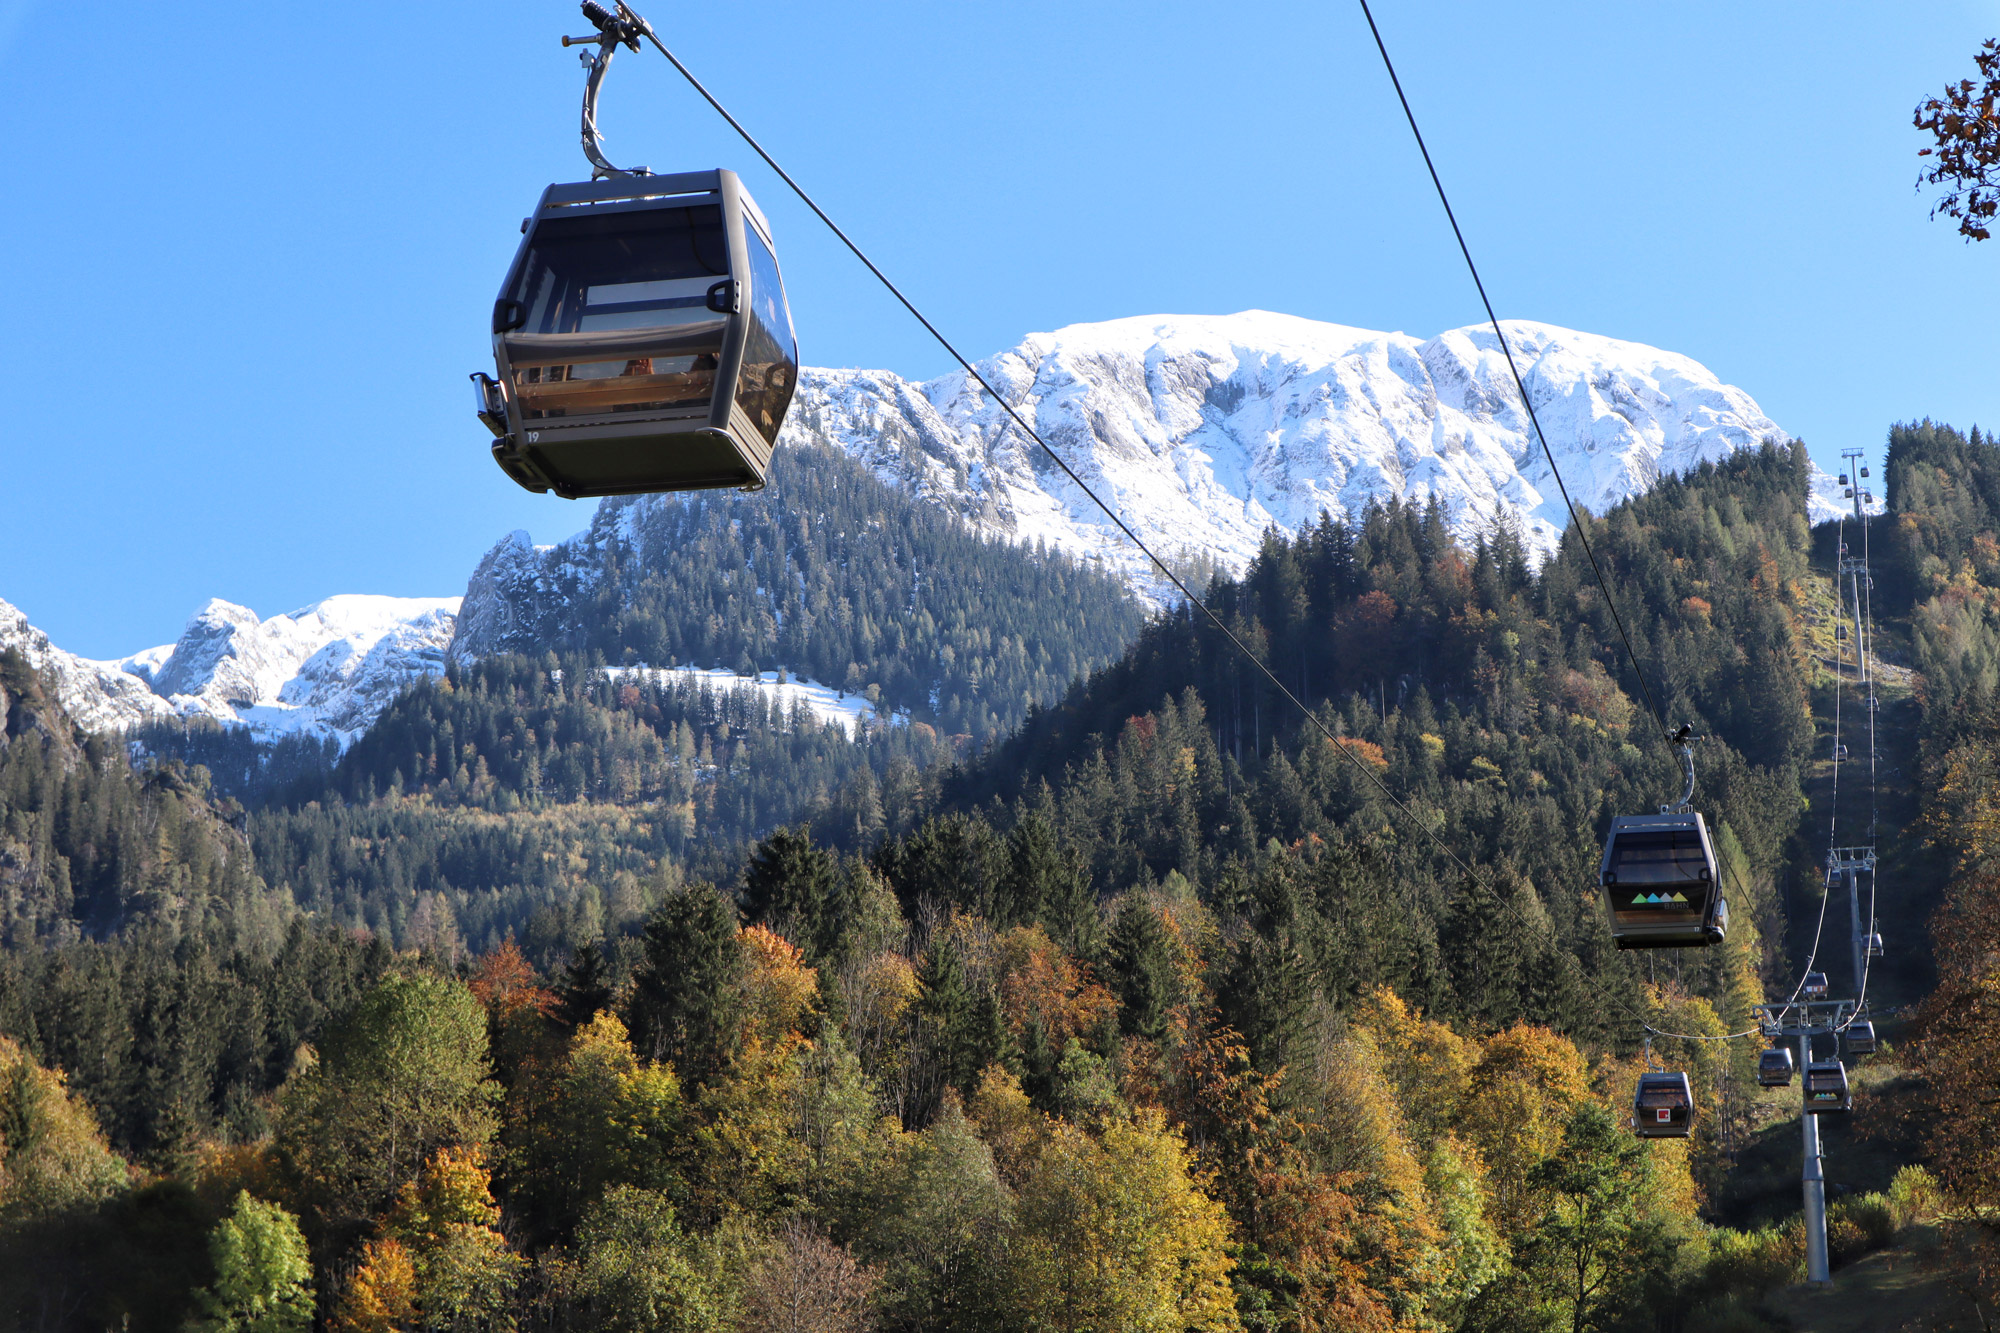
[
  {"x": 770, "y": 352},
  {"x": 647, "y": 268},
  {"x": 1659, "y": 856},
  {"x": 1658, "y": 874},
  {"x": 615, "y": 271}
]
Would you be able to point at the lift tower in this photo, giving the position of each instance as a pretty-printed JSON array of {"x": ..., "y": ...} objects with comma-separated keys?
[{"x": 1801, "y": 1021}]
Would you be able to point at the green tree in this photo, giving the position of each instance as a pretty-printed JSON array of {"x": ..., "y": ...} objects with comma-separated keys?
[
  {"x": 263, "y": 1279},
  {"x": 399, "y": 1077},
  {"x": 938, "y": 1226},
  {"x": 637, "y": 1270},
  {"x": 1593, "y": 1242},
  {"x": 597, "y": 1118},
  {"x": 586, "y": 985},
  {"x": 1145, "y": 969},
  {"x": 686, "y": 1005},
  {"x": 52, "y": 1156},
  {"x": 792, "y": 887}
]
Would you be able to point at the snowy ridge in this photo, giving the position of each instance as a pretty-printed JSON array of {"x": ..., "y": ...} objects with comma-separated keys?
[
  {"x": 328, "y": 669},
  {"x": 1204, "y": 430},
  {"x": 98, "y": 696}
]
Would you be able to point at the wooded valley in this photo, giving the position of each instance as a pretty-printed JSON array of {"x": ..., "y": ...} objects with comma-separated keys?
[{"x": 569, "y": 999}]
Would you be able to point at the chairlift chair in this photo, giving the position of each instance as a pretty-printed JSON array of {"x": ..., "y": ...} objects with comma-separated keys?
[
  {"x": 1814, "y": 986},
  {"x": 1860, "y": 1037},
  {"x": 1663, "y": 1106},
  {"x": 1775, "y": 1067},
  {"x": 1660, "y": 882},
  {"x": 1826, "y": 1087}
]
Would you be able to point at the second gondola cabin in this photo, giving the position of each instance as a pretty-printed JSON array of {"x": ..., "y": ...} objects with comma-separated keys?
[
  {"x": 1775, "y": 1067},
  {"x": 642, "y": 340},
  {"x": 1661, "y": 884},
  {"x": 1860, "y": 1036},
  {"x": 1663, "y": 1106},
  {"x": 1826, "y": 1087}
]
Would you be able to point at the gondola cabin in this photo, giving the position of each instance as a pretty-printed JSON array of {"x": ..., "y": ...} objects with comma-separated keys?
[
  {"x": 1660, "y": 883},
  {"x": 641, "y": 341},
  {"x": 1775, "y": 1067},
  {"x": 1860, "y": 1037},
  {"x": 1826, "y": 1087},
  {"x": 1840, "y": 754},
  {"x": 1814, "y": 986},
  {"x": 1663, "y": 1106},
  {"x": 1874, "y": 945}
]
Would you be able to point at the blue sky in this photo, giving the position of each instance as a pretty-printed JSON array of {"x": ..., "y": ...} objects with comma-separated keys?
[{"x": 251, "y": 252}]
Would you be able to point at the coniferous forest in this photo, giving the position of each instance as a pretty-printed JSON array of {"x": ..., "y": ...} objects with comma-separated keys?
[{"x": 565, "y": 998}]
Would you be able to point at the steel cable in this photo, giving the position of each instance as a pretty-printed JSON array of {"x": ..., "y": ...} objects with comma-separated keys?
[{"x": 1019, "y": 421}]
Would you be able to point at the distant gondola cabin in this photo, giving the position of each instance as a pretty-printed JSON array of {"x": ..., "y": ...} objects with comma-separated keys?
[
  {"x": 1826, "y": 1087},
  {"x": 1775, "y": 1067},
  {"x": 1663, "y": 1106}
]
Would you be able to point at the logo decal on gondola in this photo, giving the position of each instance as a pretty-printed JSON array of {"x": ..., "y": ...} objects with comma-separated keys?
[
  {"x": 1649, "y": 898},
  {"x": 1663, "y": 1115}
]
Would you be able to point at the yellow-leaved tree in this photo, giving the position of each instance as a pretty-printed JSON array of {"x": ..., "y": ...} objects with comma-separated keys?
[
  {"x": 1115, "y": 1236},
  {"x": 1526, "y": 1084},
  {"x": 598, "y": 1118},
  {"x": 440, "y": 1251}
]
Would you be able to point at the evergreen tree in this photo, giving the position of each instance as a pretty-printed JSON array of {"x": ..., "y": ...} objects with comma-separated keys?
[
  {"x": 586, "y": 986},
  {"x": 687, "y": 1003},
  {"x": 1145, "y": 971},
  {"x": 792, "y": 886}
]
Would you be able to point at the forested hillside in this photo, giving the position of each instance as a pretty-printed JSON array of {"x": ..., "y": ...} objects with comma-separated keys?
[
  {"x": 1943, "y": 490},
  {"x": 828, "y": 573},
  {"x": 555, "y": 803},
  {"x": 1153, "y": 1016}
]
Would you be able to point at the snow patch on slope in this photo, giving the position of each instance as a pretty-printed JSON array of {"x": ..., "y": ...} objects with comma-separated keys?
[{"x": 852, "y": 713}]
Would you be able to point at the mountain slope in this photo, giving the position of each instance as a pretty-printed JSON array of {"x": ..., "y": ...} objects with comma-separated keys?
[{"x": 828, "y": 573}]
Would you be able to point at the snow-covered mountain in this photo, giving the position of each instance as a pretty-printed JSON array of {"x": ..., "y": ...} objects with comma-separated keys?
[
  {"x": 98, "y": 696},
  {"x": 326, "y": 670},
  {"x": 1201, "y": 431}
]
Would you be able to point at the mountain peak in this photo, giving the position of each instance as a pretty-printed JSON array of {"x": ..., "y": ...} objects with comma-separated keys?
[{"x": 1203, "y": 430}]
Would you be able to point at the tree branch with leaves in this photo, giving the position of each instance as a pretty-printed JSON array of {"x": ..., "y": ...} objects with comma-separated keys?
[{"x": 1967, "y": 154}]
